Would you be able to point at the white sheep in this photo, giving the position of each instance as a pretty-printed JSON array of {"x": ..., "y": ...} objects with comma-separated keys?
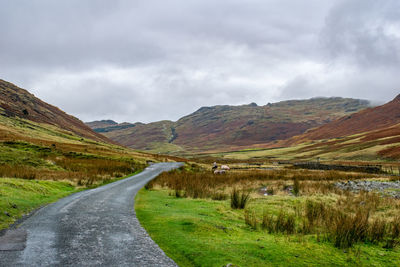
[{"x": 225, "y": 167}]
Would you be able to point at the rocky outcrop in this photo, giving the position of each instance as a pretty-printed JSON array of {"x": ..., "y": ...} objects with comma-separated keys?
[{"x": 391, "y": 189}]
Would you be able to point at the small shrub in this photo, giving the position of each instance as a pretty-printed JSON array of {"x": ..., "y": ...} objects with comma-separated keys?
[
  {"x": 349, "y": 229},
  {"x": 251, "y": 219},
  {"x": 290, "y": 224},
  {"x": 377, "y": 231},
  {"x": 396, "y": 227},
  {"x": 393, "y": 239},
  {"x": 285, "y": 223},
  {"x": 315, "y": 212},
  {"x": 280, "y": 222},
  {"x": 179, "y": 193},
  {"x": 239, "y": 199},
  {"x": 149, "y": 186},
  {"x": 268, "y": 222},
  {"x": 306, "y": 228}
]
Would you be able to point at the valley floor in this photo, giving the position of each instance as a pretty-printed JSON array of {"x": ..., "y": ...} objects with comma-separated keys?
[{"x": 200, "y": 232}]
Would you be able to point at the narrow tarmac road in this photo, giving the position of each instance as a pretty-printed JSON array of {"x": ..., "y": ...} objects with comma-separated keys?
[{"x": 96, "y": 227}]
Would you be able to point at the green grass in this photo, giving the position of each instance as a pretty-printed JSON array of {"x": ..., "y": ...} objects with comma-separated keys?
[
  {"x": 19, "y": 196},
  {"x": 208, "y": 233}
]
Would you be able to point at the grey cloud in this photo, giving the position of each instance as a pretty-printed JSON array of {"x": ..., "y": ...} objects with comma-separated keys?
[
  {"x": 150, "y": 60},
  {"x": 365, "y": 31}
]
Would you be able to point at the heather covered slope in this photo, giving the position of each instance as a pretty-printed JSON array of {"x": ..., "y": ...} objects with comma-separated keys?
[
  {"x": 371, "y": 119},
  {"x": 372, "y": 134},
  {"x": 230, "y": 127},
  {"x": 240, "y": 126},
  {"x": 39, "y": 141},
  {"x": 67, "y": 155},
  {"x": 374, "y": 131},
  {"x": 156, "y": 136},
  {"x": 18, "y": 102}
]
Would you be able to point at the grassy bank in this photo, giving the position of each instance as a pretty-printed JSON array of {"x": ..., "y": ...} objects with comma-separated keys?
[
  {"x": 199, "y": 232},
  {"x": 40, "y": 163},
  {"x": 19, "y": 197},
  {"x": 283, "y": 217}
]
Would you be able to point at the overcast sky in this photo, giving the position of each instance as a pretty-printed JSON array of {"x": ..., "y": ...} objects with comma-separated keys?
[{"x": 148, "y": 60}]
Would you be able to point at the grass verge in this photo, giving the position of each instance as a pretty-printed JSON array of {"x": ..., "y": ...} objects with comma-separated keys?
[
  {"x": 19, "y": 197},
  {"x": 201, "y": 232}
]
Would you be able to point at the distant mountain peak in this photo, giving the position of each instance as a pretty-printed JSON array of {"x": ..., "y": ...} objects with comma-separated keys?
[
  {"x": 109, "y": 121},
  {"x": 226, "y": 127}
]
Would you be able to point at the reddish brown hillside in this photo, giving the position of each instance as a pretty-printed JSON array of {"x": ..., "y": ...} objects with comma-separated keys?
[
  {"x": 224, "y": 128},
  {"x": 15, "y": 101},
  {"x": 364, "y": 121}
]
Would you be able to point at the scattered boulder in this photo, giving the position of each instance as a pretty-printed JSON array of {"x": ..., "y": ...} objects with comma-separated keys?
[
  {"x": 391, "y": 189},
  {"x": 263, "y": 191}
]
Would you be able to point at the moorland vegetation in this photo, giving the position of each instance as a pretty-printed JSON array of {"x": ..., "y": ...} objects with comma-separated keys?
[{"x": 295, "y": 207}]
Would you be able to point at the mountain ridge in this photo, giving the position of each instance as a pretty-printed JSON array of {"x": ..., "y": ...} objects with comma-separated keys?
[
  {"x": 370, "y": 134},
  {"x": 367, "y": 120},
  {"x": 228, "y": 127}
]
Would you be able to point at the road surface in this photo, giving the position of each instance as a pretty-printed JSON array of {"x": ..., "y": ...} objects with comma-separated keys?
[{"x": 96, "y": 227}]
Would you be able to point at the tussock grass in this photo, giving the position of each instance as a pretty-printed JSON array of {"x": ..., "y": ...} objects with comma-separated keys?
[
  {"x": 218, "y": 236},
  {"x": 344, "y": 227},
  {"x": 82, "y": 171},
  {"x": 203, "y": 184},
  {"x": 239, "y": 199},
  {"x": 282, "y": 223},
  {"x": 345, "y": 220}
]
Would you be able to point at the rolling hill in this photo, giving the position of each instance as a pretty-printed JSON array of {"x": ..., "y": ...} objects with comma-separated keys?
[
  {"x": 46, "y": 154},
  {"x": 372, "y": 134},
  {"x": 40, "y": 141},
  {"x": 18, "y": 102},
  {"x": 370, "y": 119},
  {"x": 223, "y": 128},
  {"x": 374, "y": 131}
]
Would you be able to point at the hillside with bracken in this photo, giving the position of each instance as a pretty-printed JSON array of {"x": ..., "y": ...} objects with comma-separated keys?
[
  {"x": 371, "y": 134},
  {"x": 230, "y": 127},
  {"x": 18, "y": 102},
  {"x": 371, "y": 119}
]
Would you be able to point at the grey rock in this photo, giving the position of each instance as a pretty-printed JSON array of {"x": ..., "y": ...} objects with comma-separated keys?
[{"x": 371, "y": 186}]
